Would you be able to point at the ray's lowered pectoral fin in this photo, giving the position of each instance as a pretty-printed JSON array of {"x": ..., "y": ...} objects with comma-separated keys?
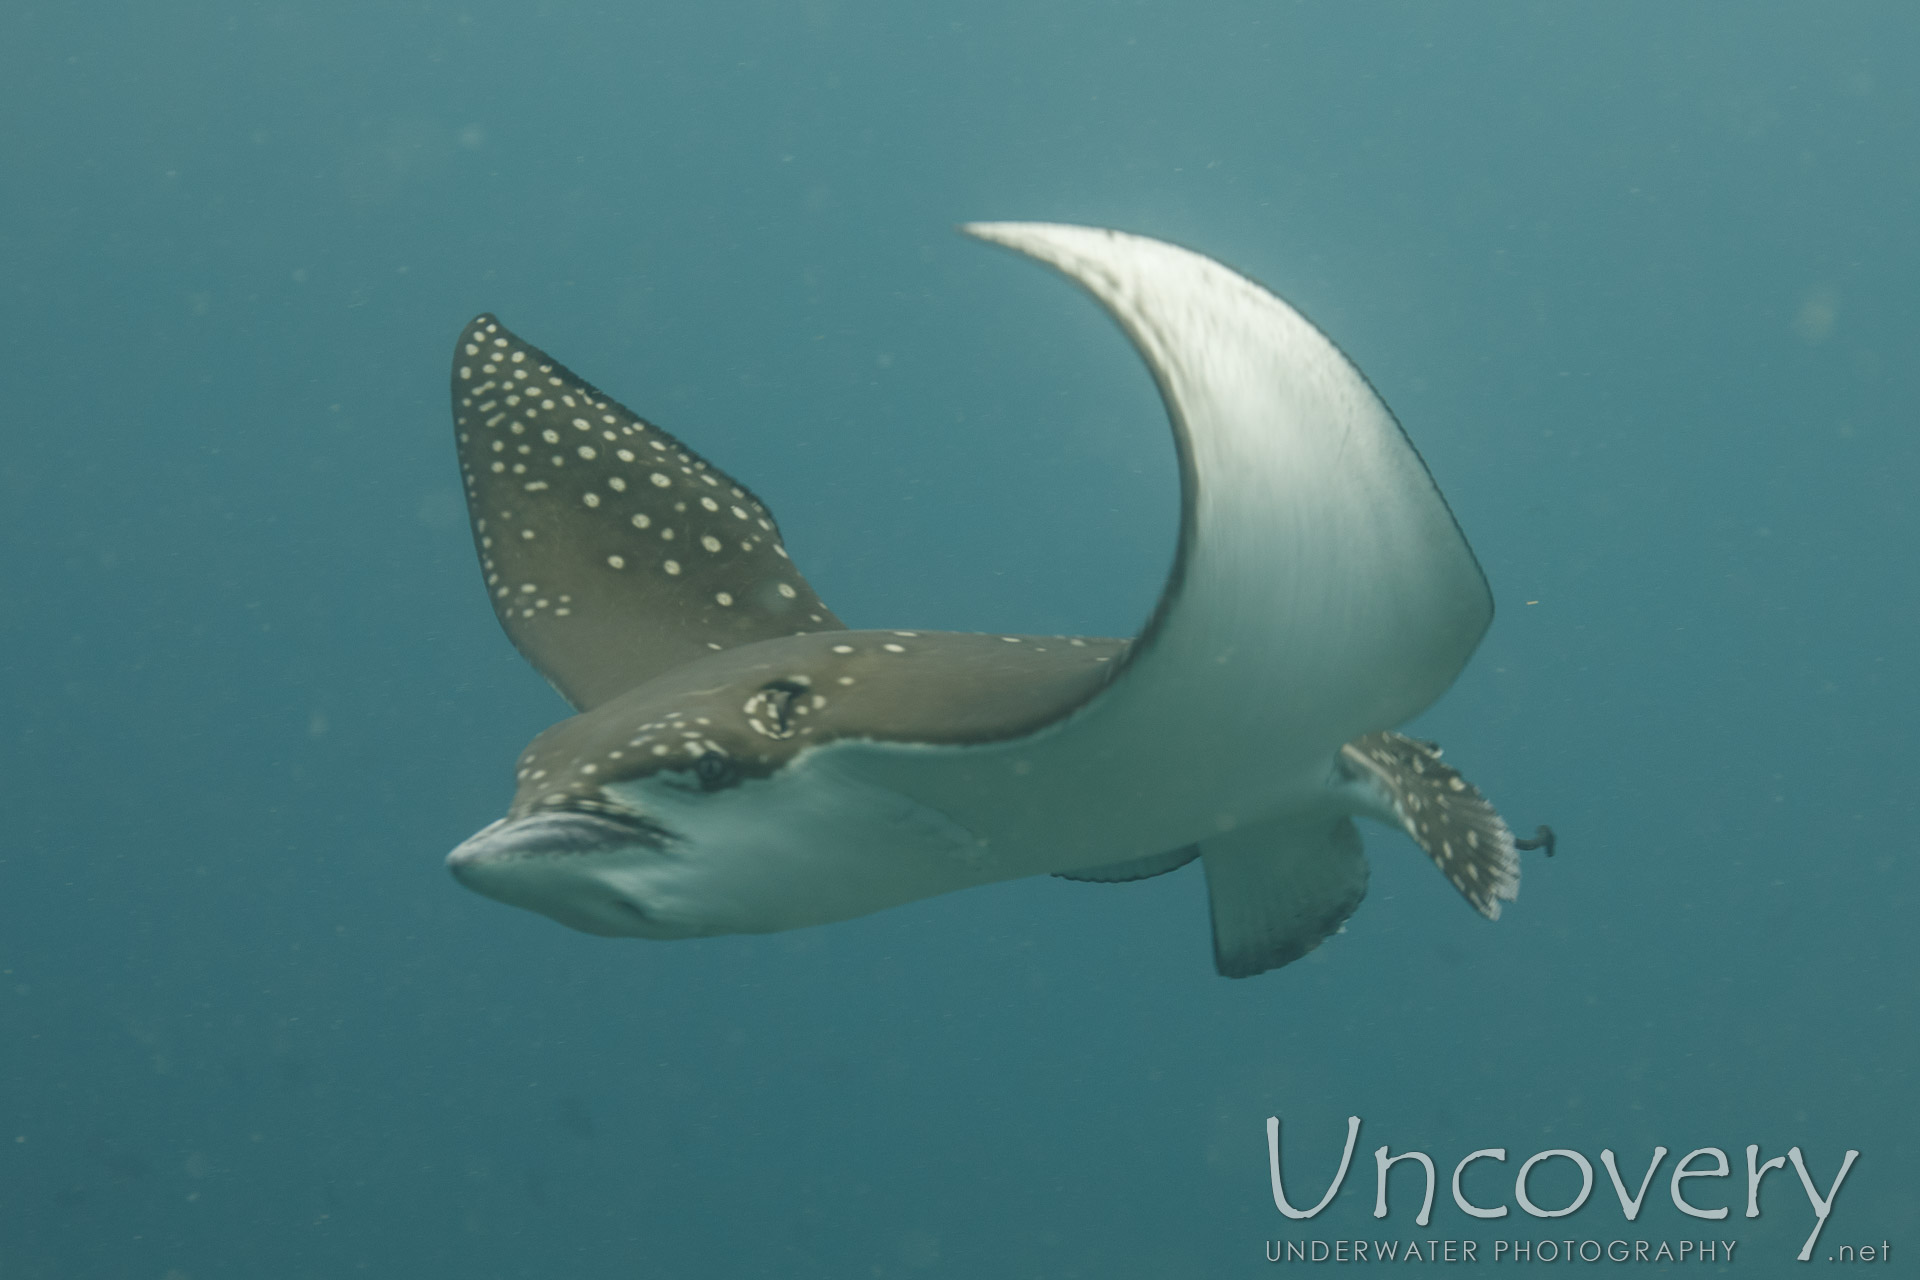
[
  {"x": 611, "y": 551},
  {"x": 1278, "y": 890},
  {"x": 1403, "y": 781}
]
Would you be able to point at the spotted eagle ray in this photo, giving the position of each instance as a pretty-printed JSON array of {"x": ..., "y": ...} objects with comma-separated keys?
[{"x": 743, "y": 763}]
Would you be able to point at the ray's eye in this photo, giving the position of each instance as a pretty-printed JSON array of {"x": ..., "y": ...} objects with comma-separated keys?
[
  {"x": 716, "y": 771},
  {"x": 774, "y": 708},
  {"x": 782, "y": 696}
]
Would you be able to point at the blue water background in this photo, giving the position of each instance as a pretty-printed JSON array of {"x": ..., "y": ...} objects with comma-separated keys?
[{"x": 1639, "y": 279}]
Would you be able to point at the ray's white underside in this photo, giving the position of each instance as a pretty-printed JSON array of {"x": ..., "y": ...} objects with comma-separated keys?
[{"x": 1322, "y": 589}]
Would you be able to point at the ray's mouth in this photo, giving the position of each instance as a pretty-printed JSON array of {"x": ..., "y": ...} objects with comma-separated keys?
[
  {"x": 573, "y": 863},
  {"x": 572, "y": 831}
]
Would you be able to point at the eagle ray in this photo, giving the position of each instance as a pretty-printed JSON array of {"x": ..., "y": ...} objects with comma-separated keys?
[{"x": 743, "y": 763}]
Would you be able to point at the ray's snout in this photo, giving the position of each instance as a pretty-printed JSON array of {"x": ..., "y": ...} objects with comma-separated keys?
[
  {"x": 568, "y": 866},
  {"x": 540, "y": 835}
]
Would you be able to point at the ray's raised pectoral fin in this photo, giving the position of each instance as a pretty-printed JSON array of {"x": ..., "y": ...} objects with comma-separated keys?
[
  {"x": 1279, "y": 889},
  {"x": 611, "y": 551},
  {"x": 1154, "y": 864},
  {"x": 1404, "y": 782}
]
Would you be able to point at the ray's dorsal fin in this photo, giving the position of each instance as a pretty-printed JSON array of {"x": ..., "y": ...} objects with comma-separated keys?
[{"x": 611, "y": 551}]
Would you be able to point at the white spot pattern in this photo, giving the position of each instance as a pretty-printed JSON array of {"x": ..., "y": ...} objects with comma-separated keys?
[
  {"x": 787, "y": 708},
  {"x": 574, "y": 505}
]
